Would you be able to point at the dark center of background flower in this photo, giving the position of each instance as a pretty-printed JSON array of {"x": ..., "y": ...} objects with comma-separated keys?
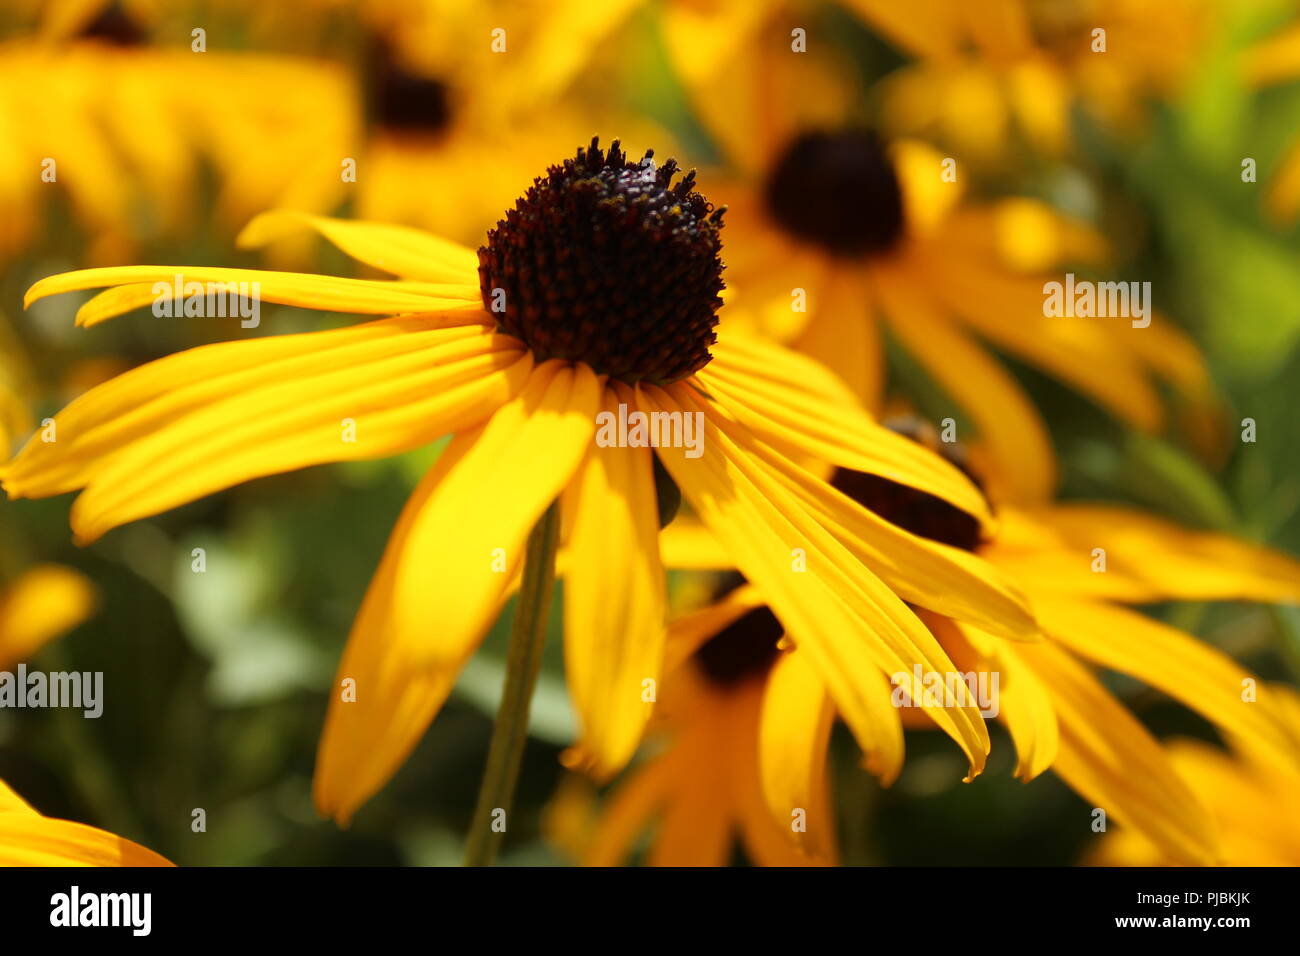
[
  {"x": 403, "y": 101},
  {"x": 839, "y": 191},
  {"x": 745, "y": 648},
  {"x": 114, "y": 26},
  {"x": 605, "y": 261},
  {"x": 922, "y": 514}
]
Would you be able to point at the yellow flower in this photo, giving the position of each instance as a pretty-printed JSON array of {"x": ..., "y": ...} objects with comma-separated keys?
[
  {"x": 603, "y": 286},
  {"x": 29, "y": 839},
  {"x": 1078, "y": 564},
  {"x": 703, "y": 786},
  {"x": 1253, "y": 796},
  {"x": 42, "y": 603},
  {"x": 993, "y": 74},
  {"x": 121, "y": 129},
  {"x": 837, "y": 238},
  {"x": 1269, "y": 63}
]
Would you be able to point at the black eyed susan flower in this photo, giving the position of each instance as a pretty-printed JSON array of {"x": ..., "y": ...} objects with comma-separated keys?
[
  {"x": 122, "y": 129},
  {"x": 598, "y": 292},
  {"x": 27, "y": 838},
  {"x": 990, "y": 77},
  {"x": 1057, "y": 712},
  {"x": 1251, "y": 793},
  {"x": 837, "y": 236}
]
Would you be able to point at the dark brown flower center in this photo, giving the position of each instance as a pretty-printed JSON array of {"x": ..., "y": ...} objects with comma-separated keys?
[
  {"x": 839, "y": 191},
  {"x": 402, "y": 101},
  {"x": 114, "y": 26},
  {"x": 916, "y": 511},
  {"x": 745, "y": 648},
  {"x": 605, "y": 261}
]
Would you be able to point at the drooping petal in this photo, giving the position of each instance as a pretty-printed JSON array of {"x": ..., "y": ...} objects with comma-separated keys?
[
  {"x": 793, "y": 738},
  {"x": 850, "y": 624},
  {"x": 1113, "y": 761},
  {"x": 613, "y": 598},
  {"x": 790, "y": 402},
  {"x": 1190, "y": 671}
]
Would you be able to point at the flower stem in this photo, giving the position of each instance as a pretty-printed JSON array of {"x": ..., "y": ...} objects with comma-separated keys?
[{"x": 523, "y": 661}]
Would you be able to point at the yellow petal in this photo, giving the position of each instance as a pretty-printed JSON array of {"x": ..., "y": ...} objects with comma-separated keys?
[
  {"x": 1113, "y": 761},
  {"x": 791, "y": 403},
  {"x": 44, "y": 602},
  {"x": 29, "y": 839},
  {"x": 850, "y": 624},
  {"x": 793, "y": 738},
  {"x": 326, "y": 293},
  {"x": 1186, "y": 669},
  {"x": 1006, "y": 420},
  {"x": 400, "y": 250},
  {"x": 613, "y": 598}
]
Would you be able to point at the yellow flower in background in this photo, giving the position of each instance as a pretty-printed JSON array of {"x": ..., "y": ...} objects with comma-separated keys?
[
  {"x": 1253, "y": 796},
  {"x": 596, "y": 294},
  {"x": 1078, "y": 564},
  {"x": 1272, "y": 62},
  {"x": 29, "y": 839},
  {"x": 701, "y": 793},
  {"x": 999, "y": 73},
  {"x": 838, "y": 238},
  {"x": 122, "y": 130}
]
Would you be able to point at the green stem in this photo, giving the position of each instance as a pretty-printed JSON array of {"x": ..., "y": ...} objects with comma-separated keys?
[{"x": 523, "y": 661}]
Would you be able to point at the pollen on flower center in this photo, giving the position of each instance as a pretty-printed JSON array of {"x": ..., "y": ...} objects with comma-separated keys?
[
  {"x": 912, "y": 510},
  {"x": 839, "y": 191},
  {"x": 605, "y": 261}
]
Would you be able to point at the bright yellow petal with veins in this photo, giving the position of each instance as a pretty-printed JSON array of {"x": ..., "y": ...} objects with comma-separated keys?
[
  {"x": 779, "y": 408},
  {"x": 527, "y": 454},
  {"x": 793, "y": 738},
  {"x": 1171, "y": 561},
  {"x": 1007, "y": 422},
  {"x": 383, "y": 698},
  {"x": 358, "y": 411},
  {"x": 44, "y": 602},
  {"x": 133, "y": 405},
  {"x": 400, "y": 250},
  {"x": 325, "y": 293},
  {"x": 1195, "y": 673},
  {"x": 937, "y": 576},
  {"x": 1024, "y": 703},
  {"x": 613, "y": 599},
  {"x": 848, "y": 622},
  {"x": 29, "y": 839},
  {"x": 1113, "y": 761}
]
